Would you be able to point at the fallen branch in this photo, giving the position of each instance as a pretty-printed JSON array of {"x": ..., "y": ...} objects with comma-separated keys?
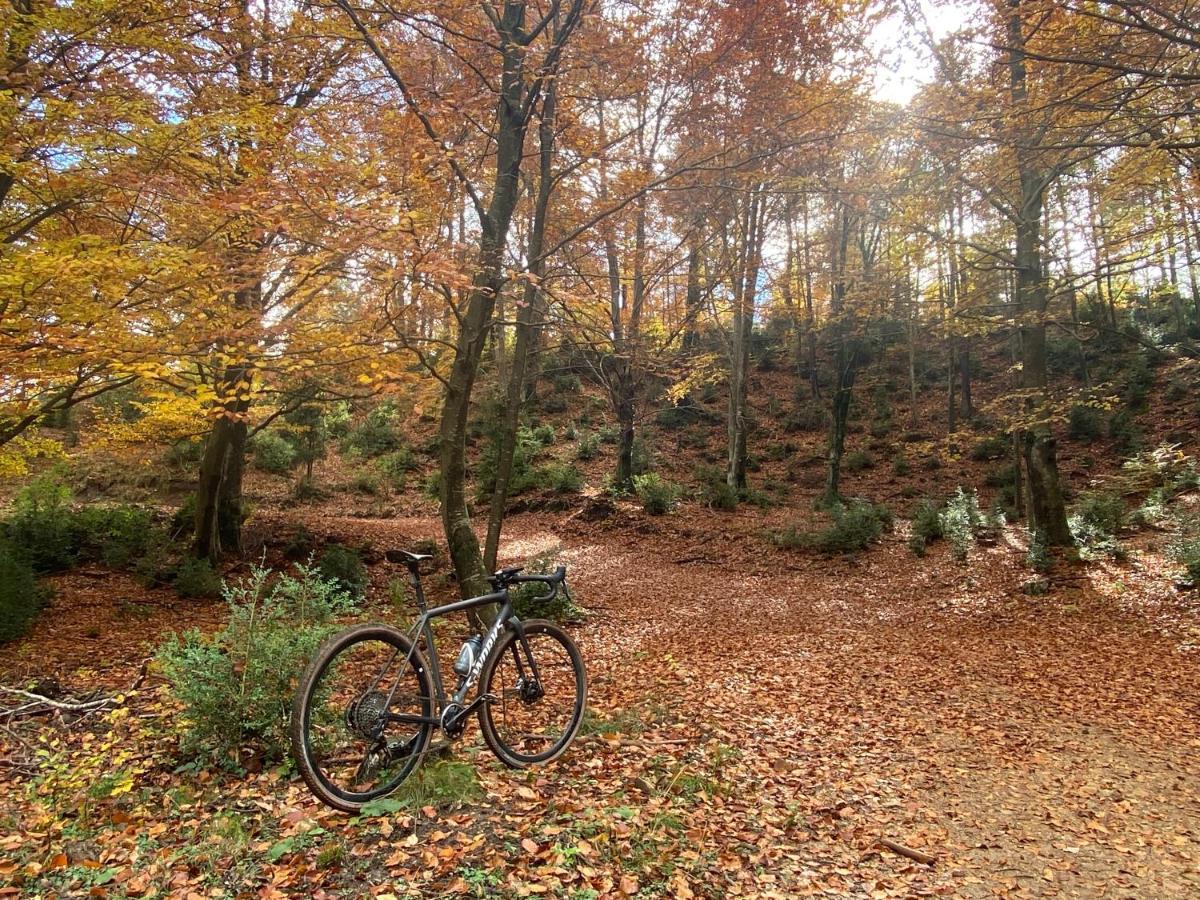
[
  {"x": 64, "y": 705},
  {"x": 915, "y": 855}
]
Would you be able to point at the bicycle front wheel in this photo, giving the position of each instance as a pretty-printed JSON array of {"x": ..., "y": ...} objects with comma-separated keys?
[
  {"x": 361, "y": 717},
  {"x": 535, "y": 697}
]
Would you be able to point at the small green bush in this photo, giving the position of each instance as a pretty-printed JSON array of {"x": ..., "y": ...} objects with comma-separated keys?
[
  {"x": 682, "y": 416},
  {"x": 196, "y": 579},
  {"x": 343, "y": 566},
  {"x": 658, "y": 495},
  {"x": 810, "y": 416},
  {"x": 1095, "y": 522},
  {"x": 42, "y": 526},
  {"x": 432, "y": 487},
  {"x": 926, "y": 527},
  {"x": 1125, "y": 433},
  {"x": 376, "y": 435},
  {"x": 961, "y": 520},
  {"x": 990, "y": 448},
  {"x": 395, "y": 466},
  {"x": 856, "y": 525},
  {"x": 1084, "y": 423},
  {"x": 901, "y": 465},
  {"x": 609, "y": 435},
  {"x": 273, "y": 453},
  {"x": 715, "y": 492},
  {"x": 555, "y": 403},
  {"x": 236, "y": 687},
  {"x": 566, "y": 383},
  {"x": 117, "y": 536},
  {"x": 857, "y": 460},
  {"x": 588, "y": 448},
  {"x": 20, "y": 598},
  {"x": 561, "y": 478},
  {"x": 562, "y": 609},
  {"x": 1139, "y": 379},
  {"x": 544, "y": 435},
  {"x": 306, "y": 490},
  {"x": 1185, "y": 550},
  {"x": 1177, "y": 390},
  {"x": 367, "y": 481}
]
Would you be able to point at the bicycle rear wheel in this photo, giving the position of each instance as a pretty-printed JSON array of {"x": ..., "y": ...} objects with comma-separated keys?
[
  {"x": 361, "y": 716},
  {"x": 533, "y": 707}
]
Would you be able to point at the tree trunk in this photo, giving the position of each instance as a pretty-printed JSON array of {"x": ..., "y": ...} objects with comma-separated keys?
[
  {"x": 528, "y": 323},
  {"x": 744, "y": 290},
  {"x": 477, "y": 319},
  {"x": 1047, "y": 509}
]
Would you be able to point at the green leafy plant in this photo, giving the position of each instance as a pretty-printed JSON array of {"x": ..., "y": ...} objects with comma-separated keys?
[
  {"x": 857, "y": 460},
  {"x": 961, "y": 520},
  {"x": 273, "y": 452},
  {"x": 994, "y": 447},
  {"x": 20, "y": 597},
  {"x": 856, "y": 525},
  {"x": 926, "y": 526},
  {"x": 343, "y": 566},
  {"x": 658, "y": 495},
  {"x": 1084, "y": 423},
  {"x": 714, "y": 491},
  {"x": 42, "y": 525},
  {"x": 236, "y": 686},
  {"x": 588, "y": 447},
  {"x": 196, "y": 579},
  {"x": 375, "y": 435}
]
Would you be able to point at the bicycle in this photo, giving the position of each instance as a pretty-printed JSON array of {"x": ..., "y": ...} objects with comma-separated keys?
[{"x": 358, "y": 731}]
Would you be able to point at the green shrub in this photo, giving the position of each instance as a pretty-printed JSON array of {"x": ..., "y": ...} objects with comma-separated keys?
[
  {"x": 117, "y": 536},
  {"x": 375, "y": 435},
  {"x": 715, "y": 491},
  {"x": 588, "y": 448},
  {"x": 682, "y": 416},
  {"x": 658, "y": 495},
  {"x": 856, "y": 525},
  {"x": 857, "y": 460},
  {"x": 609, "y": 435},
  {"x": 961, "y": 520},
  {"x": 566, "y": 383},
  {"x": 544, "y": 435},
  {"x": 432, "y": 487},
  {"x": 395, "y": 466},
  {"x": 990, "y": 448},
  {"x": 561, "y": 478},
  {"x": 1084, "y": 423},
  {"x": 901, "y": 465},
  {"x": 196, "y": 579},
  {"x": 343, "y": 566},
  {"x": 42, "y": 526},
  {"x": 1177, "y": 390},
  {"x": 810, "y": 416},
  {"x": 337, "y": 420},
  {"x": 1095, "y": 522},
  {"x": 1125, "y": 433},
  {"x": 367, "y": 481},
  {"x": 236, "y": 687},
  {"x": 1001, "y": 477},
  {"x": 20, "y": 598},
  {"x": 1139, "y": 379},
  {"x": 1185, "y": 550},
  {"x": 555, "y": 403},
  {"x": 926, "y": 526},
  {"x": 307, "y": 490},
  {"x": 273, "y": 453}
]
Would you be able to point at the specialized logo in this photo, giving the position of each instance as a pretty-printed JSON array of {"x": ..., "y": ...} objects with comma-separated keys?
[{"x": 484, "y": 652}]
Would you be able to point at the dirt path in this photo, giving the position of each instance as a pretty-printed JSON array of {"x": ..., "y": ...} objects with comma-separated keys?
[{"x": 1036, "y": 745}]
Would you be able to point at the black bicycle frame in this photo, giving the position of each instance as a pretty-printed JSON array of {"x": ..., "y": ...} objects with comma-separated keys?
[{"x": 422, "y": 628}]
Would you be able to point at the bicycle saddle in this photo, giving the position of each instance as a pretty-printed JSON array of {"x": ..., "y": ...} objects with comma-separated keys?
[{"x": 406, "y": 558}]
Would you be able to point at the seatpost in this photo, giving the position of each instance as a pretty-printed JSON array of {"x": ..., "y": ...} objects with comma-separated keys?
[{"x": 414, "y": 578}]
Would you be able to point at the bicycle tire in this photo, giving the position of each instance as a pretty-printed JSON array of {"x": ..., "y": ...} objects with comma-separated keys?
[
  {"x": 307, "y": 760},
  {"x": 536, "y": 632}
]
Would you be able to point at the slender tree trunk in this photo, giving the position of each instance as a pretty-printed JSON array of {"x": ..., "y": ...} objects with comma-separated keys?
[
  {"x": 528, "y": 324},
  {"x": 845, "y": 359},
  {"x": 744, "y": 290},
  {"x": 1047, "y": 507},
  {"x": 476, "y": 320}
]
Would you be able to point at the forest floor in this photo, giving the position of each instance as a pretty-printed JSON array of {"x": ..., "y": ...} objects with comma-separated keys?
[{"x": 759, "y": 721}]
